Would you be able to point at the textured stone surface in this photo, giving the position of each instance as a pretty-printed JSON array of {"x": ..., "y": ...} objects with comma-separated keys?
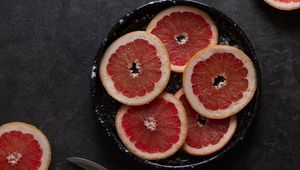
[{"x": 46, "y": 53}]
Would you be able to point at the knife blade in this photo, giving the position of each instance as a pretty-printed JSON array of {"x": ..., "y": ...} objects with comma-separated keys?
[{"x": 86, "y": 164}]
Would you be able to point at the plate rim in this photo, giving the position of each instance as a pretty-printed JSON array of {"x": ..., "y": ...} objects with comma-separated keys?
[{"x": 114, "y": 137}]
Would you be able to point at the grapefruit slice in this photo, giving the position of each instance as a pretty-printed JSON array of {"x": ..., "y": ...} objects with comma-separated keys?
[
  {"x": 23, "y": 147},
  {"x": 184, "y": 30},
  {"x": 135, "y": 68},
  {"x": 219, "y": 81},
  {"x": 286, "y": 5},
  {"x": 205, "y": 136},
  {"x": 153, "y": 131}
]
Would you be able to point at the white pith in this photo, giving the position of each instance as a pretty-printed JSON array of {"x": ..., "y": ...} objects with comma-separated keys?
[
  {"x": 186, "y": 38},
  {"x": 158, "y": 87},
  {"x": 138, "y": 66},
  {"x": 150, "y": 123},
  {"x": 235, "y": 107},
  {"x": 181, "y": 8},
  {"x": 160, "y": 155},
  {"x": 37, "y": 134},
  {"x": 282, "y": 5},
  {"x": 221, "y": 84},
  {"x": 13, "y": 158}
]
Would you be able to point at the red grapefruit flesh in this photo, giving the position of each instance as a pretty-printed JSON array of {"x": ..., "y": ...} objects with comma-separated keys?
[
  {"x": 135, "y": 68},
  {"x": 184, "y": 30},
  {"x": 219, "y": 81},
  {"x": 205, "y": 136},
  {"x": 153, "y": 131},
  {"x": 284, "y": 4},
  {"x": 23, "y": 147}
]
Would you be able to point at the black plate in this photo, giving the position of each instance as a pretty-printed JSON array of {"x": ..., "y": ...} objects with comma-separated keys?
[{"x": 106, "y": 107}]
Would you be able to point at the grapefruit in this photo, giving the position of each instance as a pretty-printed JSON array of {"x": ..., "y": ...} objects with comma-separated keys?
[
  {"x": 23, "y": 147},
  {"x": 135, "y": 68},
  {"x": 153, "y": 131},
  {"x": 219, "y": 81},
  {"x": 205, "y": 136},
  {"x": 184, "y": 30},
  {"x": 284, "y": 4}
]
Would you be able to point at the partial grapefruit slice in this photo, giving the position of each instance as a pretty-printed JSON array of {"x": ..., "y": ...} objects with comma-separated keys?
[
  {"x": 23, "y": 146},
  {"x": 284, "y": 4},
  {"x": 184, "y": 30},
  {"x": 219, "y": 81},
  {"x": 205, "y": 136},
  {"x": 153, "y": 131},
  {"x": 135, "y": 68}
]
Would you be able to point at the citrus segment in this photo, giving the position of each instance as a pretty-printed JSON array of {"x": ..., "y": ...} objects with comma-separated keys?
[
  {"x": 219, "y": 81},
  {"x": 284, "y": 4},
  {"x": 205, "y": 136},
  {"x": 22, "y": 146},
  {"x": 184, "y": 31},
  {"x": 155, "y": 130},
  {"x": 135, "y": 68}
]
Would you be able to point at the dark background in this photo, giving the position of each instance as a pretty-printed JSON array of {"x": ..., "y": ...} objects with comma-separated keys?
[{"x": 46, "y": 53}]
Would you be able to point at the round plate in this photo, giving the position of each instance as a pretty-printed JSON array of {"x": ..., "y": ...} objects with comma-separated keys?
[{"x": 106, "y": 107}]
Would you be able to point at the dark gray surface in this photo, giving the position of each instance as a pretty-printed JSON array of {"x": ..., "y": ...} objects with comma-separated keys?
[{"x": 46, "y": 53}]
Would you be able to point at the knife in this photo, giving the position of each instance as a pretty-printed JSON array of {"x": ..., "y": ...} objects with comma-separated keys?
[{"x": 86, "y": 164}]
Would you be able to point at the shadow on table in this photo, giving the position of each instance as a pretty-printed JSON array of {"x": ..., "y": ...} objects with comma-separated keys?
[{"x": 288, "y": 20}]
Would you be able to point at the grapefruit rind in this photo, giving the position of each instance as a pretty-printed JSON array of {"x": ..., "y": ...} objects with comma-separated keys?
[
  {"x": 235, "y": 107},
  {"x": 210, "y": 149},
  {"x": 154, "y": 156},
  {"x": 284, "y": 6},
  {"x": 159, "y": 86},
  {"x": 182, "y": 8},
  {"x": 38, "y": 135}
]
